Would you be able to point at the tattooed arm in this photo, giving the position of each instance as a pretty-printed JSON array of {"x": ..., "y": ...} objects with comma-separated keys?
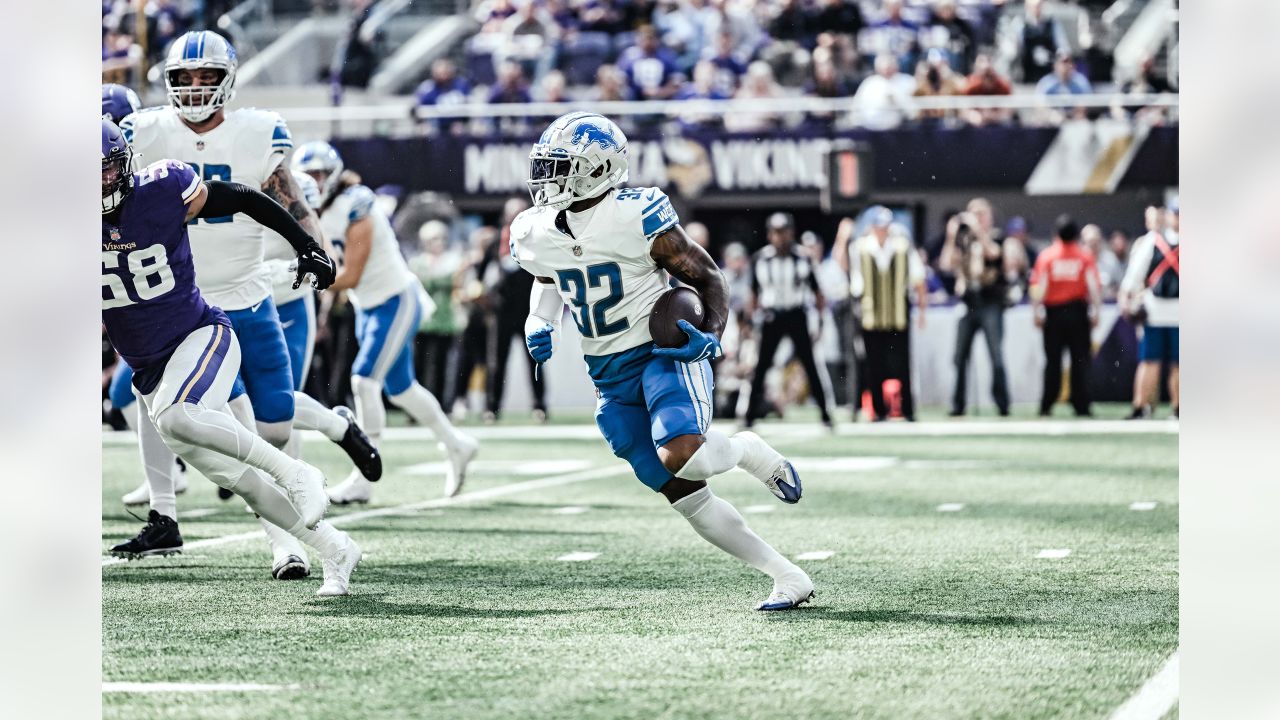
[
  {"x": 676, "y": 253},
  {"x": 281, "y": 187}
]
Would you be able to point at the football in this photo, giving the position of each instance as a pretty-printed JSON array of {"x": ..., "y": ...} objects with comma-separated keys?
[{"x": 680, "y": 303}]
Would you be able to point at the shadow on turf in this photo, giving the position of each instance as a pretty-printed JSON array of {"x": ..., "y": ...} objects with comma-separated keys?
[
  {"x": 902, "y": 616},
  {"x": 372, "y": 605}
]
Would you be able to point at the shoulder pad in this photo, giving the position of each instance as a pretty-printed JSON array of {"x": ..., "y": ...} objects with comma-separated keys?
[
  {"x": 360, "y": 199},
  {"x": 653, "y": 208}
]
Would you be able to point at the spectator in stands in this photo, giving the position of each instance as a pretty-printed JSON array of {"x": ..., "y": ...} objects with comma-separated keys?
[
  {"x": 165, "y": 21},
  {"x": 790, "y": 22},
  {"x": 986, "y": 81},
  {"x": 884, "y": 98},
  {"x": 950, "y": 34},
  {"x": 678, "y": 23},
  {"x": 835, "y": 25},
  {"x": 1066, "y": 297},
  {"x": 445, "y": 88},
  {"x": 826, "y": 82},
  {"x": 893, "y": 35},
  {"x": 611, "y": 85},
  {"x": 531, "y": 36},
  {"x": 1029, "y": 41},
  {"x": 605, "y": 16},
  {"x": 935, "y": 78},
  {"x": 1147, "y": 81},
  {"x": 1110, "y": 269},
  {"x": 729, "y": 68},
  {"x": 1149, "y": 294},
  {"x": 701, "y": 88},
  {"x": 360, "y": 50},
  {"x": 758, "y": 85},
  {"x": 436, "y": 267},
  {"x": 511, "y": 86},
  {"x": 975, "y": 252},
  {"x": 737, "y": 271},
  {"x": 650, "y": 68},
  {"x": 491, "y": 14},
  {"x": 1064, "y": 80},
  {"x": 552, "y": 88},
  {"x": 1119, "y": 243},
  {"x": 742, "y": 26}
]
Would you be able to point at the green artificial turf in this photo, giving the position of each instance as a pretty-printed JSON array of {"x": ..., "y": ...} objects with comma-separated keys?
[{"x": 464, "y": 610}]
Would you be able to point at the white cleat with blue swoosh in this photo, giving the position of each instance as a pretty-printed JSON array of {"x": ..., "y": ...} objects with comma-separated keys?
[{"x": 789, "y": 591}]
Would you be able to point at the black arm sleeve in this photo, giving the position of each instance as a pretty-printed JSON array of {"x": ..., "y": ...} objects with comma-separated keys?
[{"x": 229, "y": 198}]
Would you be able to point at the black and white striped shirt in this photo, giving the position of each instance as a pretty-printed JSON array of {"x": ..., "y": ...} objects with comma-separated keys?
[{"x": 783, "y": 281}]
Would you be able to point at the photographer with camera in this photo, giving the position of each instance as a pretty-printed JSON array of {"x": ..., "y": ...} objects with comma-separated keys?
[
  {"x": 975, "y": 253},
  {"x": 1149, "y": 296}
]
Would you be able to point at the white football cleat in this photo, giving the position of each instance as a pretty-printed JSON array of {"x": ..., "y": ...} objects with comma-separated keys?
[
  {"x": 789, "y": 591},
  {"x": 306, "y": 491},
  {"x": 460, "y": 454},
  {"x": 338, "y": 569},
  {"x": 141, "y": 495},
  {"x": 355, "y": 489},
  {"x": 771, "y": 468}
]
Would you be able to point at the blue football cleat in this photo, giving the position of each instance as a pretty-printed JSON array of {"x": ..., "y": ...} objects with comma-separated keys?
[{"x": 784, "y": 483}]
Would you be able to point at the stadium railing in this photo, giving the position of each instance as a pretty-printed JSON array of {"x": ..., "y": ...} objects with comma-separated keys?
[{"x": 841, "y": 108}]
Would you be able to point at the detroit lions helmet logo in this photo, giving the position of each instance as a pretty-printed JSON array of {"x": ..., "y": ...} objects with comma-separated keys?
[{"x": 587, "y": 133}]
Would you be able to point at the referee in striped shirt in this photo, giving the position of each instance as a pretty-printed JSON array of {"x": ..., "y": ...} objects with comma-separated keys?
[{"x": 783, "y": 287}]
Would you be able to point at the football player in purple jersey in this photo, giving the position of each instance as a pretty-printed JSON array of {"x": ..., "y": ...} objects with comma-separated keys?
[{"x": 185, "y": 355}]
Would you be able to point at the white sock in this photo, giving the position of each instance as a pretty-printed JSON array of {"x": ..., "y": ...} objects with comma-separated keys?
[
  {"x": 309, "y": 414},
  {"x": 198, "y": 426},
  {"x": 717, "y": 454},
  {"x": 423, "y": 407},
  {"x": 369, "y": 410},
  {"x": 157, "y": 465},
  {"x": 282, "y": 543},
  {"x": 757, "y": 458},
  {"x": 325, "y": 538},
  {"x": 720, "y": 524}
]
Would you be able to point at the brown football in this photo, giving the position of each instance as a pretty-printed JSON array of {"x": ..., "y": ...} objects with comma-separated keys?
[{"x": 680, "y": 303}]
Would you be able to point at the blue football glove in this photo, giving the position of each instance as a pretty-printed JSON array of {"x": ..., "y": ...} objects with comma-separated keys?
[
  {"x": 701, "y": 345},
  {"x": 539, "y": 344}
]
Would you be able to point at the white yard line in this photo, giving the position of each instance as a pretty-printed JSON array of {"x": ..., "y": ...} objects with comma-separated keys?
[
  {"x": 1053, "y": 553},
  {"x": 1155, "y": 698},
  {"x": 178, "y": 687},
  {"x": 934, "y": 428},
  {"x": 487, "y": 493},
  {"x": 950, "y": 507},
  {"x": 578, "y": 556},
  {"x": 1142, "y": 505},
  {"x": 816, "y": 555}
]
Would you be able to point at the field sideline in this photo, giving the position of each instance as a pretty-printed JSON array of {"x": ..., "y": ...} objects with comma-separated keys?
[{"x": 975, "y": 569}]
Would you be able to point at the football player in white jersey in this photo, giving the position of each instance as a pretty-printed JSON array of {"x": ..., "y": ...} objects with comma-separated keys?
[
  {"x": 603, "y": 250},
  {"x": 247, "y": 146},
  {"x": 389, "y": 303}
]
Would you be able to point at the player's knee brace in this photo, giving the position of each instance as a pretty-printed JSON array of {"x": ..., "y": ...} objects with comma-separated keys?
[{"x": 714, "y": 456}]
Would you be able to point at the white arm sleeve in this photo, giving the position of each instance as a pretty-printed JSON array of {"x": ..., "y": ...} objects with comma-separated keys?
[{"x": 546, "y": 307}]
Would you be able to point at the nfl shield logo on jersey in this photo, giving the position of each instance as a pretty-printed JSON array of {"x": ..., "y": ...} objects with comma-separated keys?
[
  {"x": 115, "y": 234},
  {"x": 577, "y": 251}
]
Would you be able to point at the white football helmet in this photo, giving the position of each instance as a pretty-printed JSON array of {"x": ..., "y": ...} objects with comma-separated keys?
[
  {"x": 318, "y": 158},
  {"x": 579, "y": 156},
  {"x": 197, "y": 50}
]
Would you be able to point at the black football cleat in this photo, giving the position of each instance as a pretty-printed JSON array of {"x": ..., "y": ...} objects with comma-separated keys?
[
  {"x": 225, "y": 494},
  {"x": 290, "y": 568},
  {"x": 159, "y": 536},
  {"x": 359, "y": 447}
]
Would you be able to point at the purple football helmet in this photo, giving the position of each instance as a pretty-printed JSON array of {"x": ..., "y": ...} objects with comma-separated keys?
[
  {"x": 119, "y": 102},
  {"x": 117, "y": 167}
]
